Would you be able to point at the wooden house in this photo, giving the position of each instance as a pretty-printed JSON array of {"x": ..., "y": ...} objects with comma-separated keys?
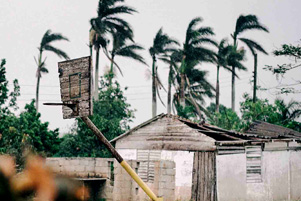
[{"x": 217, "y": 164}]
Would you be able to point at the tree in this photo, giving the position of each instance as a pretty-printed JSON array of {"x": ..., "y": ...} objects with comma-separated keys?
[
  {"x": 192, "y": 82},
  {"x": 294, "y": 53},
  {"x": 223, "y": 53},
  {"x": 121, "y": 48},
  {"x": 162, "y": 44},
  {"x": 45, "y": 45},
  {"x": 278, "y": 113},
  {"x": 107, "y": 21},
  {"x": 226, "y": 118},
  {"x": 194, "y": 52},
  {"x": 111, "y": 115},
  {"x": 243, "y": 24}
]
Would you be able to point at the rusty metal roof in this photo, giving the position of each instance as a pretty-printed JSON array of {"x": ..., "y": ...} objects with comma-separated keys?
[{"x": 263, "y": 129}]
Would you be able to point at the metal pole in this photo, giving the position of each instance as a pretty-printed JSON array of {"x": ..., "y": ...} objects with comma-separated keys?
[{"x": 122, "y": 162}]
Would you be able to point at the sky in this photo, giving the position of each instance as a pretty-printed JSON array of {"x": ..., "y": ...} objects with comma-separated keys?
[{"x": 23, "y": 23}]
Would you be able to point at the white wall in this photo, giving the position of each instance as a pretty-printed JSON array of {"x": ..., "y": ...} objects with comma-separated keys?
[
  {"x": 281, "y": 177},
  {"x": 184, "y": 165}
]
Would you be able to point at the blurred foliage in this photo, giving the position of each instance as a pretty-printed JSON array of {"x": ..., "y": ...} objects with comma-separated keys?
[
  {"x": 111, "y": 115},
  {"x": 36, "y": 182}
]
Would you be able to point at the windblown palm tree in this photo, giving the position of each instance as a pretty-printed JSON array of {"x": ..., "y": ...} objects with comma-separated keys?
[
  {"x": 172, "y": 60},
  {"x": 106, "y": 22},
  {"x": 161, "y": 45},
  {"x": 194, "y": 52},
  {"x": 244, "y": 23},
  {"x": 288, "y": 112},
  {"x": 121, "y": 48},
  {"x": 45, "y": 45}
]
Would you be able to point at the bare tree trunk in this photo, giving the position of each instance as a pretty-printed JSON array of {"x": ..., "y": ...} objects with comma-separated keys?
[
  {"x": 169, "y": 92},
  {"x": 255, "y": 78},
  {"x": 96, "y": 74},
  {"x": 154, "y": 97},
  {"x": 217, "y": 91},
  {"x": 233, "y": 90}
]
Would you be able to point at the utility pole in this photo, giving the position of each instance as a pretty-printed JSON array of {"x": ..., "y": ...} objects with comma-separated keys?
[{"x": 255, "y": 78}]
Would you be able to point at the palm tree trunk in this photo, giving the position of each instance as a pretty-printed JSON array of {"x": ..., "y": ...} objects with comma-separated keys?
[
  {"x": 233, "y": 90},
  {"x": 169, "y": 92},
  {"x": 37, "y": 91},
  {"x": 217, "y": 91},
  {"x": 154, "y": 98},
  {"x": 255, "y": 78},
  {"x": 38, "y": 81},
  {"x": 111, "y": 72},
  {"x": 182, "y": 84},
  {"x": 96, "y": 74}
]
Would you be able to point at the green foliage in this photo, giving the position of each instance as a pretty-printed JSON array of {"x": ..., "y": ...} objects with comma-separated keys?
[
  {"x": 111, "y": 115},
  {"x": 226, "y": 118},
  {"x": 27, "y": 131}
]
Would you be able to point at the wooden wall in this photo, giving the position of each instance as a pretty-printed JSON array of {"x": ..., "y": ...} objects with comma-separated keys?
[{"x": 204, "y": 177}]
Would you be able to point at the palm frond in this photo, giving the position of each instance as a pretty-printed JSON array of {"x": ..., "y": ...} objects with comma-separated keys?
[
  {"x": 248, "y": 22},
  {"x": 50, "y": 37},
  {"x": 252, "y": 45},
  {"x": 129, "y": 51},
  {"x": 58, "y": 52}
]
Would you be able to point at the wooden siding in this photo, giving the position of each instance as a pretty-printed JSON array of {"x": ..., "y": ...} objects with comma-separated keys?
[
  {"x": 204, "y": 177},
  {"x": 166, "y": 134}
]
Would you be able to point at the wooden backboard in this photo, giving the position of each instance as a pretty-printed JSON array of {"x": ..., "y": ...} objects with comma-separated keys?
[{"x": 76, "y": 87}]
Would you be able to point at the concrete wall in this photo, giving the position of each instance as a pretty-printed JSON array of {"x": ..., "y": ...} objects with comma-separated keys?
[
  {"x": 85, "y": 169},
  {"x": 183, "y": 163},
  {"x": 281, "y": 176},
  {"x": 126, "y": 189}
]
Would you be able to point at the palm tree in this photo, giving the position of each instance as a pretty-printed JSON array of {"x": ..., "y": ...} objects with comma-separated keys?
[
  {"x": 121, "y": 48},
  {"x": 244, "y": 23},
  {"x": 287, "y": 112},
  {"x": 171, "y": 60},
  {"x": 221, "y": 61},
  {"x": 194, "y": 52},
  {"x": 45, "y": 45},
  {"x": 162, "y": 44},
  {"x": 106, "y": 22}
]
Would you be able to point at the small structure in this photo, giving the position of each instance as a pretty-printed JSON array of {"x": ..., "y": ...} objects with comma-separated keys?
[{"x": 216, "y": 164}]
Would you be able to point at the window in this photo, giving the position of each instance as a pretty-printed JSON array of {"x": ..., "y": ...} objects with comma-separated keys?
[
  {"x": 146, "y": 159},
  {"x": 254, "y": 155}
]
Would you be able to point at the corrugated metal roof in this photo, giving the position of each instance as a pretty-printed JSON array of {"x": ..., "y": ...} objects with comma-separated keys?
[{"x": 263, "y": 129}]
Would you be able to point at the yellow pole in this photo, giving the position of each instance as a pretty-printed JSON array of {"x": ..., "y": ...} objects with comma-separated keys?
[
  {"x": 139, "y": 181},
  {"x": 122, "y": 162}
]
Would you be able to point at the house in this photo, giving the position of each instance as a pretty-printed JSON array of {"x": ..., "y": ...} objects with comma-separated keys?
[{"x": 216, "y": 164}]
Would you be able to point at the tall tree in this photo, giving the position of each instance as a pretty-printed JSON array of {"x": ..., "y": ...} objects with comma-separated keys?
[
  {"x": 194, "y": 51},
  {"x": 123, "y": 49},
  {"x": 172, "y": 60},
  {"x": 222, "y": 61},
  {"x": 162, "y": 44},
  {"x": 45, "y": 45},
  {"x": 243, "y": 24},
  {"x": 106, "y": 22}
]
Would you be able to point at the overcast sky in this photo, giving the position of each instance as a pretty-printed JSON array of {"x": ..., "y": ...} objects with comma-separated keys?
[{"x": 23, "y": 23}]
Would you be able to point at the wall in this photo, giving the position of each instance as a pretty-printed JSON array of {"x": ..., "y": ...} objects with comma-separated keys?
[
  {"x": 85, "y": 169},
  {"x": 281, "y": 175},
  {"x": 183, "y": 163},
  {"x": 126, "y": 189}
]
